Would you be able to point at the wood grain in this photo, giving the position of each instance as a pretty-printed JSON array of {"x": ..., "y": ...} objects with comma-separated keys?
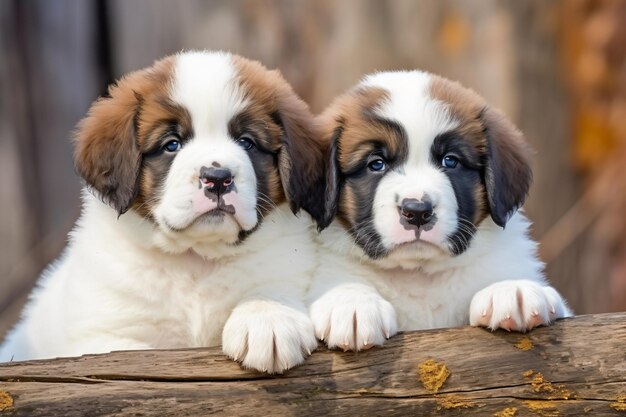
[{"x": 576, "y": 367}]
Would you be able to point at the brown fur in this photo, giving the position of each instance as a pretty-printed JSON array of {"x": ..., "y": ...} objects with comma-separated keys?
[
  {"x": 463, "y": 103},
  {"x": 111, "y": 141},
  {"x": 157, "y": 118},
  {"x": 349, "y": 127},
  {"x": 465, "y": 106},
  {"x": 507, "y": 173},
  {"x": 117, "y": 143},
  {"x": 352, "y": 113},
  {"x": 493, "y": 151},
  {"x": 293, "y": 132}
]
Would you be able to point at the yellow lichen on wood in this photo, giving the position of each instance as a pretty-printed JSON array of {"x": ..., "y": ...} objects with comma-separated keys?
[
  {"x": 507, "y": 412},
  {"x": 524, "y": 344},
  {"x": 433, "y": 374},
  {"x": 6, "y": 401},
  {"x": 542, "y": 408},
  {"x": 541, "y": 385},
  {"x": 620, "y": 404},
  {"x": 452, "y": 402}
]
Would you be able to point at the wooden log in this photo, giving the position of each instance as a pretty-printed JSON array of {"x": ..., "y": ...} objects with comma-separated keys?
[{"x": 576, "y": 367}]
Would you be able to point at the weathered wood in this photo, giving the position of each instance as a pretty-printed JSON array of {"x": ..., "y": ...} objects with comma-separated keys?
[{"x": 576, "y": 367}]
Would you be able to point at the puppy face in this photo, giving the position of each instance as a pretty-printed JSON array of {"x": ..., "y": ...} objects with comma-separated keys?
[
  {"x": 417, "y": 162},
  {"x": 202, "y": 145}
]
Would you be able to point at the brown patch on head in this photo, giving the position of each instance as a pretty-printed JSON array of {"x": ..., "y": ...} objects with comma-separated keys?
[
  {"x": 506, "y": 155},
  {"x": 352, "y": 133},
  {"x": 115, "y": 141},
  {"x": 465, "y": 107},
  {"x": 463, "y": 103},
  {"x": 361, "y": 129},
  {"x": 283, "y": 125}
]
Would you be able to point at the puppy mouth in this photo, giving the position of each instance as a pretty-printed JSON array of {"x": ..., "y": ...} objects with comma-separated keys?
[
  {"x": 215, "y": 216},
  {"x": 415, "y": 242}
]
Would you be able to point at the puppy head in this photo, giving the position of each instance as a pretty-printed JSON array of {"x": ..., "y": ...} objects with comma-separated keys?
[
  {"x": 202, "y": 145},
  {"x": 417, "y": 162}
]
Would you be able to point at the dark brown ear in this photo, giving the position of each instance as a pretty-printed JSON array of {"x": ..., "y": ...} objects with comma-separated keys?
[
  {"x": 106, "y": 153},
  {"x": 300, "y": 161},
  {"x": 507, "y": 169},
  {"x": 331, "y": 195}
]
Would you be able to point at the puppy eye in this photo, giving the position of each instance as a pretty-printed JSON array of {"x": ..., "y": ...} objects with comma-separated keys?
[
  {"x": 172, "y": 146},
  {"x": 449, "y": 161},
  {"x": 377, "y": 165},
  {"x": 246, "y": 142}
]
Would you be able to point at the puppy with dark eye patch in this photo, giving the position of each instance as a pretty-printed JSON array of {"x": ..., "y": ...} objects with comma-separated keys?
[
  {"x": 193, "y": 169},
  {"x": 424, "y": 183}
]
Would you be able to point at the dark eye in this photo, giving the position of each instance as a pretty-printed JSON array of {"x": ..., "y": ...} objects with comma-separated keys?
[
  {"x": 245, "y": 142},
  {"x": 377, "y": 165},
  {"x": 449, "y": 161},
  {"x": 172, "y": 146}
]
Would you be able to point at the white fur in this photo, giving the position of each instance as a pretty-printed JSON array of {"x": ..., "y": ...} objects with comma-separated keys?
[
  {"x": 206, "y": 85},
  {"x": 409, "y": 104},
  {"x": 127, "y": 283},
  {"x": 423, "y": 119},
  {"x": 438, "y": 292},
  {"x": 499, "y": 275}
]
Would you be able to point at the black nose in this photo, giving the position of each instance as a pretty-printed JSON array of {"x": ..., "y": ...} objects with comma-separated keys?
[
  {"x": 416, "y": 212},
  {"x": 216, "y": 179}
]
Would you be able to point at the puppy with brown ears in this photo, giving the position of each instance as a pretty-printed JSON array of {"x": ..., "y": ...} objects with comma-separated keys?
[
  {"x": 187, "y": 238},
  {"x": 424, "y": 184}
]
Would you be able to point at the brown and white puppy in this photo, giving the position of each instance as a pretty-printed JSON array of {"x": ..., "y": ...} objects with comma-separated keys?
[
  {"x": 423, "y": 178},
  {"x": 187, "y": 237}
]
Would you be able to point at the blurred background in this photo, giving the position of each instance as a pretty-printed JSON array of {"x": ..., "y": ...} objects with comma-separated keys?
[{"x": 557, "y": 68}]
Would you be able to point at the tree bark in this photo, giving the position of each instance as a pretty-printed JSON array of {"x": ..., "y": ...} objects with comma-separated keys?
[{"x": 576, "y": 367}]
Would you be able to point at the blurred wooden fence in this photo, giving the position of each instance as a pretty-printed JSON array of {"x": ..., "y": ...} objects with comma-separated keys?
[{"x": 58, "y": 55}]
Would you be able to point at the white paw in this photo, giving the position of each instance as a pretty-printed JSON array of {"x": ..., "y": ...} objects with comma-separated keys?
[
  {"x": 518, "y": 305},
  {"x": 268, "y": 336},
  {"x": 353, "y": 317}
]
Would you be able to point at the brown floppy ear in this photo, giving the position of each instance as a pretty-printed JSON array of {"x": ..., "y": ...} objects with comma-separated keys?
[
  {"x": 300, "y": 160},
  {"x": 333, "y": 185},
  {"x": 507, "y": 167},
  {"x": 106, "y": 153}
]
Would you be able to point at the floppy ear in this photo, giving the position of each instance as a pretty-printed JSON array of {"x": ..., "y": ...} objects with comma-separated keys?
[
  {"x": 331, "y": 195},
  {"x": 106, "y": 153},
  {"x": 507, "y": 167},
  {"x": 300, "y": 160}
]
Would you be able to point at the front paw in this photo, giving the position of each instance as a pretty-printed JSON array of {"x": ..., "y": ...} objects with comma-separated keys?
[
  {"x": 518, "y": 305},
  {"x": 268, "y": 336},
  {"x": 353, "y": 317}
]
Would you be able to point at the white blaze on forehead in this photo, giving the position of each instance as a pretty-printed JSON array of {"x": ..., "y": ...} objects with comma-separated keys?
[
  {"x": 411, "y": 105},
  {"x": 206, "y": 84}
]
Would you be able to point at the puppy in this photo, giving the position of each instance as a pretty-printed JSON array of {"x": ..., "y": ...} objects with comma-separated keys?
[
  {"x": 425, "y": 180},
  {"x": 187, "y": 237}
]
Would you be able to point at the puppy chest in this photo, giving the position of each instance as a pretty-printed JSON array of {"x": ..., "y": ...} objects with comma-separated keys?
[
  {"x": 425, "y": 302},
  {"x": 193, "y": 315}
]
